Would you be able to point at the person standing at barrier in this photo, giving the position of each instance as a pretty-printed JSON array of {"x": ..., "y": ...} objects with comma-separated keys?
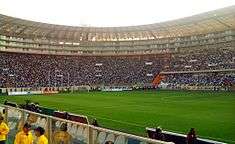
[
  {"x": 95, "y": 123},
  {"x": 24, "y": 136},
  {"x": 62, "y": 136},
  {"x": 158, "y": 134},
  {"x": 39, "y": 132},
  {"x": 4, "y": 129},
  {"x": 191, "y": 136},
  {"x": 31, "y": 119}
]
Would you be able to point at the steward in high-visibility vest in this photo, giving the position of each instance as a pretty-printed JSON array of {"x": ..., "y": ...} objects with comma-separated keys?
[
  {"x": 39, "y": 132},
  {"x": 4, "y": 129},
  {"x": 62, "y": 136},
  {"x": 24, "y": 136}
]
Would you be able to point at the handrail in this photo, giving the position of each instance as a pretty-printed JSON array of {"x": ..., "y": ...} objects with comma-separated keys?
[{"x": 91, "y": 127}]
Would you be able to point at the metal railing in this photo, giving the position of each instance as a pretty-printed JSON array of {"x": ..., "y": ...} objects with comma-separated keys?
[{"x": 75, "y": 133}]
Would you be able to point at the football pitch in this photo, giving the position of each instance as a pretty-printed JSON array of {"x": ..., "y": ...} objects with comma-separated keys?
[{"x": 212, "y": 114}]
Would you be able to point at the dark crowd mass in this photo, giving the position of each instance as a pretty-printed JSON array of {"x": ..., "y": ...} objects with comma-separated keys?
[{"x": 38, "y": 70}]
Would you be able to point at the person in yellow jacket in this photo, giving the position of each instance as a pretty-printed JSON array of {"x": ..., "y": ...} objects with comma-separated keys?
[
  {"x": 4, "y": 129},
  {"x": 62, "y": 136},
  {"x": 39, "y": 132},
  {"x": 24, "y": 136}
]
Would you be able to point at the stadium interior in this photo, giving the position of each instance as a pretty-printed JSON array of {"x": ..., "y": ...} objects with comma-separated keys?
[{"x": 192, "y": 53}]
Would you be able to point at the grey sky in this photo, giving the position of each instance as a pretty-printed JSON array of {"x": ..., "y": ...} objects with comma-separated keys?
[{"x": 107, "y": 12}]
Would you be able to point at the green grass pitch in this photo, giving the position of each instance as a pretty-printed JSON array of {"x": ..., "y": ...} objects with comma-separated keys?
[{"x": 212, "y": 114}]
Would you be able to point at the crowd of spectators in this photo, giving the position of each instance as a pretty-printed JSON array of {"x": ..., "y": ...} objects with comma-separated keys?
[
  {"x": 201, "y": 79},
  {"x": 33, "y": 70},
  {"x": 199, "y": 61},
  {"x": 203, "y": 60},
  {"x": 38, "y": 70}
]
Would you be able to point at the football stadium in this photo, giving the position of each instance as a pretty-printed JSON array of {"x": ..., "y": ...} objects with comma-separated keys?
[{"x": 166, "y": 82}]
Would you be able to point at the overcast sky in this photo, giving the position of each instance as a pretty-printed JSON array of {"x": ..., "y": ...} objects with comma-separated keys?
[{"x": 107, "y": 12}]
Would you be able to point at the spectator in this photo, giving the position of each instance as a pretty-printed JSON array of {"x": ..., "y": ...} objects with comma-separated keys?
[
  {"x": 39, "y": 132},
  {"x": 35, "y": 70},
  {"x": 4, "y": 129},
  {"x": 109, "y": 142},
  {"x": 158, "y": 134},
  {"x": 95, "y": 123},
  {"x": 191, "y": 136},
  {"x": 62, "y": 136},
  {"x": 214, "y": 79},
  {"x": 24, "y": 136},
  {"x": 31, "y": 119}
]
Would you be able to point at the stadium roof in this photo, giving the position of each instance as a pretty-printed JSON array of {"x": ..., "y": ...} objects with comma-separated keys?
[{"x": 217, "y": 20}]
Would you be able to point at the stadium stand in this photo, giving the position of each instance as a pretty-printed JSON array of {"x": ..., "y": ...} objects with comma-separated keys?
[
  {"x": 210, "y": 80},
  {"x": 34, "y": 70},
  {"x": 29, "y": 70}
]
